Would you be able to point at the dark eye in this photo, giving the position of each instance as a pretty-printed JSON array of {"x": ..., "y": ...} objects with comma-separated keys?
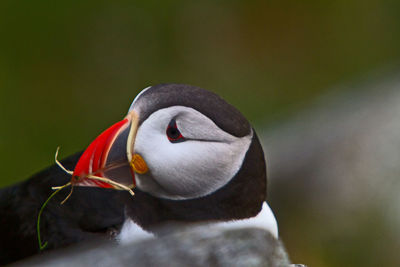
[{"x": 173, "y": 133}]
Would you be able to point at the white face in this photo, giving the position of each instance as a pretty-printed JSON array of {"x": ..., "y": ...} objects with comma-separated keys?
[{"x": 201, "y": 162}]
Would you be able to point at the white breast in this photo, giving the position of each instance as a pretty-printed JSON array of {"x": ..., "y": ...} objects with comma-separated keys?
[
  {"x": 131, "y": 232},
  {"x": 265, "y": 219}
]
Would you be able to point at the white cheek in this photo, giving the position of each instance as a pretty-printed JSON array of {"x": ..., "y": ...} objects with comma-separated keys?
[{"x": 191, "y": 168}]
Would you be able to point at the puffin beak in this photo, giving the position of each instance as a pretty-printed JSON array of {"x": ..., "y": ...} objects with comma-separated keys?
[{"x": 110, "y": 156}]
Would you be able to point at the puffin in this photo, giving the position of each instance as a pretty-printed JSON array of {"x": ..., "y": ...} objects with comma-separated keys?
[{"x": 186, "y": 155}]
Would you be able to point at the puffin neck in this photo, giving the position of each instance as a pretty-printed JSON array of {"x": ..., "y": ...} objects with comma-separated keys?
[{"x": 241, "y": 198}]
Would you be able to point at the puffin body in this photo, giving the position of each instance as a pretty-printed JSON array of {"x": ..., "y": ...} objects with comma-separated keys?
[{"x": 191, "y": 158}]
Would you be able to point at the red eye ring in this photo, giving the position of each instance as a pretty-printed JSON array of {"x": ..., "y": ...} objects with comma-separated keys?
[{"x": 173, "y": 133}]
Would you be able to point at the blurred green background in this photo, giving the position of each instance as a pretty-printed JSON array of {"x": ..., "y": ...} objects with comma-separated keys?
[{"x": 69, "y": 69}]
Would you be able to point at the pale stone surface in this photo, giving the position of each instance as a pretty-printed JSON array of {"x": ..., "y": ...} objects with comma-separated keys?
[{"x": 199, "y": 246}]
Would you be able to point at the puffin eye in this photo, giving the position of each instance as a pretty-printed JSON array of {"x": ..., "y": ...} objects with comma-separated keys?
[{"x": 173, "y": 133}]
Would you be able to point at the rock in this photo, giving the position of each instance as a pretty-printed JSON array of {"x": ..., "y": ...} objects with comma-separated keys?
[{"x": 198, "y": 246}]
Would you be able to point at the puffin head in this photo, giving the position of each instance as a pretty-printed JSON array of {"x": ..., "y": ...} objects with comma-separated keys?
[{"x": 177, "y": 142}]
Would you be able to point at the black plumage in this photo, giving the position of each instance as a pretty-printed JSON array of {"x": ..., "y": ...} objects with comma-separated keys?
[{"x": 89, "y": 213}]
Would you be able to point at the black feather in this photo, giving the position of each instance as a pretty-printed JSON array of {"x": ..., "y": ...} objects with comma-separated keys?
[{"x": 89, "y": 213}]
